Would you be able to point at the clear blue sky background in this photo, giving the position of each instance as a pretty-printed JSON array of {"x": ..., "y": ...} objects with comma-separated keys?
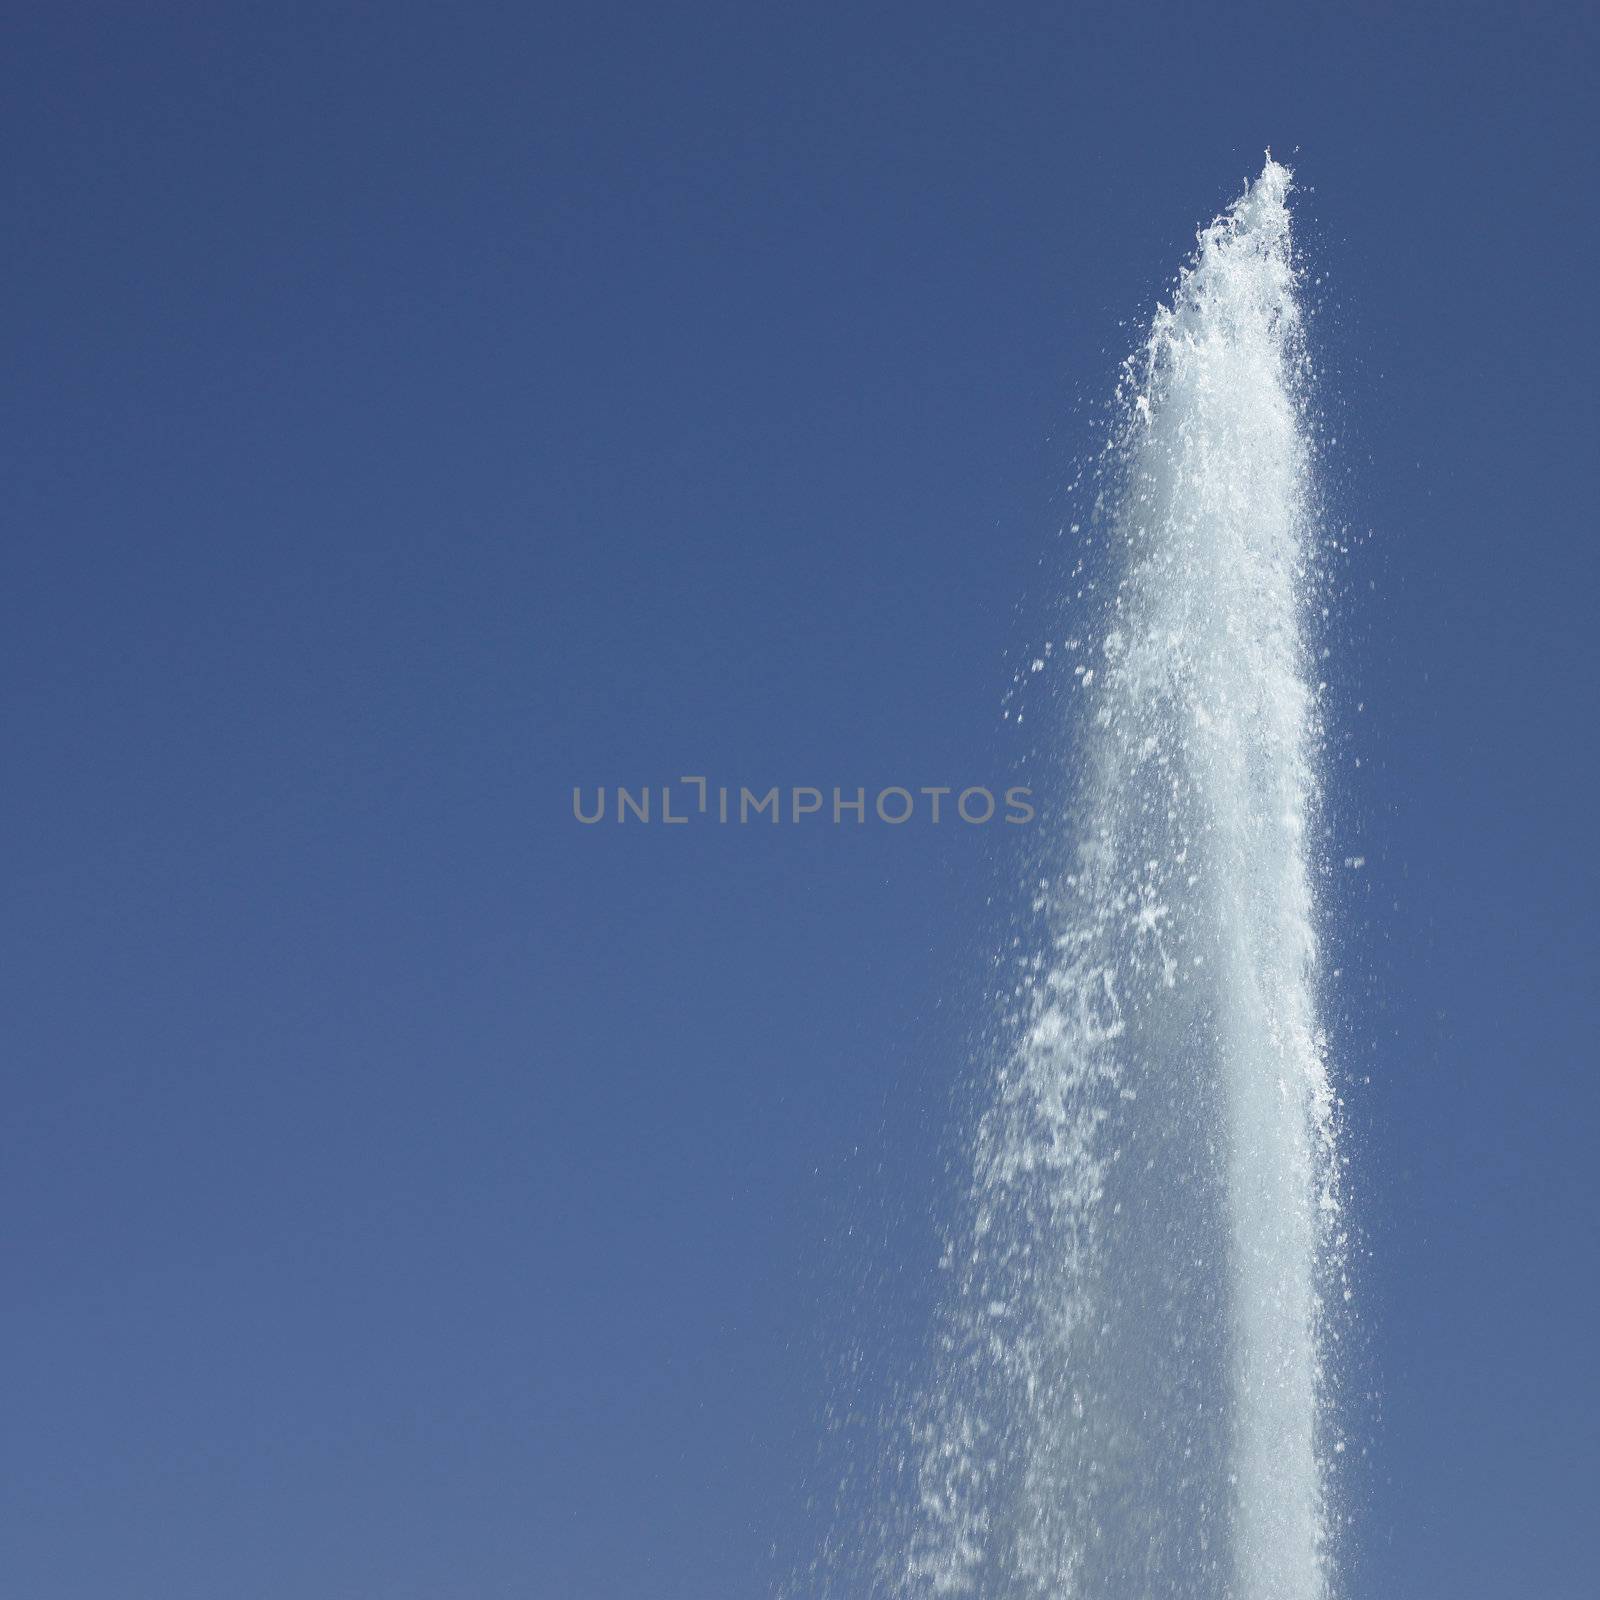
[{"x": 412, "y": 411}]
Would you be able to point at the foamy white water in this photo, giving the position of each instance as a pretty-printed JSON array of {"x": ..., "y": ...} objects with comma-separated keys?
[{"x": 1128, "y": 1397}]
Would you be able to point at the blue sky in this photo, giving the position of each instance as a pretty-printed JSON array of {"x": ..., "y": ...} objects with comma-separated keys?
[{"x": 411, "y": 413}]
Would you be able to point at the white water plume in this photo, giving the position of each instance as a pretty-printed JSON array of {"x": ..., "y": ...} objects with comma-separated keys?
[{"x": 1129, "y": 1400}]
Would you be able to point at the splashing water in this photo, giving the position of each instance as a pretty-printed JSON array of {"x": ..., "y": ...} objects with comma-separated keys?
[{"x": 1129, "y": 1396}]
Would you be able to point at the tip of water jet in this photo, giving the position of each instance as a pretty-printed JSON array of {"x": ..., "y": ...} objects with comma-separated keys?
[{"x": 1277, "y": 177}]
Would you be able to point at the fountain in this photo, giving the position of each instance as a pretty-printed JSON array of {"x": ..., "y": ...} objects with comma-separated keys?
[{"x": 1128, "y": 1397}]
